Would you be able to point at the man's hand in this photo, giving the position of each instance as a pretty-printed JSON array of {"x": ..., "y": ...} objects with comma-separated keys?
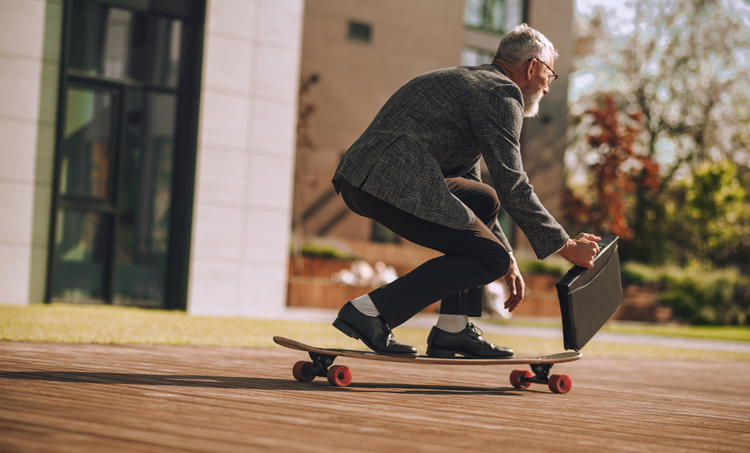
[
  {"x": 581, "y": 250},
  {"x": 516, "y": 285}
]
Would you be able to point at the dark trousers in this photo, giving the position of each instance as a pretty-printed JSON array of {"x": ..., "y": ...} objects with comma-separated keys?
[{"x": 472, "y": 258}]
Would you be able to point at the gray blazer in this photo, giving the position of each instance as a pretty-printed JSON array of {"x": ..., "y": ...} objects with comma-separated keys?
[{"x": 439, "y": 125}]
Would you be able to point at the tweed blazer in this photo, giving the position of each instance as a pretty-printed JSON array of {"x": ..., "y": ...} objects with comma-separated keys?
[{"x": 440, "y": 125}]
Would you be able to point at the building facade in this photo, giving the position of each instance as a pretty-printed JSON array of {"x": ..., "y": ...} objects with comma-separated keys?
[
  {"x": 357, "y": 73},
  {"x": 148, "y": 147},
  {"x": 361, "y": 52},
  {"x": 147, "y": 151}
]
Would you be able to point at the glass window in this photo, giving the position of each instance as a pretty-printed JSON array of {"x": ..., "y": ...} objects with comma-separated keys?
[
  {"x": 120, "y": 44},
  {"x": 383, "y": 235},
  {"x": 359, "y": 31},
  {"x": 145, "y": 198},
  {"x": 507, "y": 225},
  {"x": 513, "y": 14},
  {"x": 87, "y": 148},
  {"x": 81, "y": 255},
  {"x": 497, "y": 16},
  {"x": 476, "y": 57}
]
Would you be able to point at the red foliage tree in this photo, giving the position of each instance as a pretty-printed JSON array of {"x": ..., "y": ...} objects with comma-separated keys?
[{"x": 619, "y": 171}]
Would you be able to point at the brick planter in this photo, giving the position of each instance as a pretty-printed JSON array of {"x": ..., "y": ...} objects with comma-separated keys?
[
  {"x": 641, "y": 303},
  {"x": 313, "y": 287},
  {"x": 321, "y": 293},
  {"x": 318, "y": 267}
]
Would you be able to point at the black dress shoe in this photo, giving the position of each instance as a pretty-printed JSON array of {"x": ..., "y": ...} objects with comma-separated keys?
[
  {"x": 468, "y": 342},
  {"x": 373, "y": 331}
]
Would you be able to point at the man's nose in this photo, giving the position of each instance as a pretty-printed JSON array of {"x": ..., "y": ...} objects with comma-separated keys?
[{"x": 546, "y": 89}]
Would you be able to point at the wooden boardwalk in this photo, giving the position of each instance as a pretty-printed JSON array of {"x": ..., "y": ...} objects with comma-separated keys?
[{"x": 102, "y": 398}]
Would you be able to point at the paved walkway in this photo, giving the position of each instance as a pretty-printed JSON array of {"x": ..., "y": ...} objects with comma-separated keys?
[
  {"x": 71, "y": 398},
  {"x": 425, "y": 321}
]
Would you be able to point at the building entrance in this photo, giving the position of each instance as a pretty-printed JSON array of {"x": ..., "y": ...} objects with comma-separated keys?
[{"x": 126, "y": 152}]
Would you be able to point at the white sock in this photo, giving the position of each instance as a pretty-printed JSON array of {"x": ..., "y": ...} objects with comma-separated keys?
[
  {"x": 452, "y": 323},
  {"x": 365, "y": 306}
]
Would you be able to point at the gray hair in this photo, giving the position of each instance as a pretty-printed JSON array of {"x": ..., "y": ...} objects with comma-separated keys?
[{"x": 523, "y": 43}]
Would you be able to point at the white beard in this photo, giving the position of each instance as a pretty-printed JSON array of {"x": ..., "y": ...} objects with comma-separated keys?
[{"x": 531, "y": 100}]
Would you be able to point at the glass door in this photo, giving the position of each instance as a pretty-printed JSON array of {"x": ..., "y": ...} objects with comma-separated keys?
[
  {"x": 145, "y": 198},
  {"x": 82, "y": 243},
  {"x": 126, "y": 152}
]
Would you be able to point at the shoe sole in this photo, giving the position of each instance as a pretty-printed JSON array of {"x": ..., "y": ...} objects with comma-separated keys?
[
  {"x": 445, "y": 354},
  {"x": 349, "y": 332}
]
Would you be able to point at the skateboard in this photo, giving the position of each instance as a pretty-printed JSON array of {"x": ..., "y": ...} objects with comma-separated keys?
[{"x": 341, "y": 376}]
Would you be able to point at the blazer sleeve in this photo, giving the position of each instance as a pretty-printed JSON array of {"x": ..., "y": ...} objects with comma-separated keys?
[{"x": 497, "y": 121}]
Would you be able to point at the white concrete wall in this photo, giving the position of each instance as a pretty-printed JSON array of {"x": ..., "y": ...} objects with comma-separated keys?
[
  {"x": 246, "y": 149},
  {"x": 29, "y": 67}
]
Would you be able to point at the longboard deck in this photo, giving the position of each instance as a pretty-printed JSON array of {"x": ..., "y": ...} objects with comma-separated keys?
[{"x": 426, "y": 360}]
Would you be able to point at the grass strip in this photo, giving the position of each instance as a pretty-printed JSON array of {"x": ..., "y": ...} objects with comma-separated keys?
[
  {"x": 124, "y": 325},
  {"x": 724, "y": 333}
]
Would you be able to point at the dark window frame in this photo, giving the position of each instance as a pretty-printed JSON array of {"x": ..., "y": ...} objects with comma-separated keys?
[
  {"x": 360, "y": 32},
  {"x": 490, "y": 29},
  {"x": 186, "y": 140}
]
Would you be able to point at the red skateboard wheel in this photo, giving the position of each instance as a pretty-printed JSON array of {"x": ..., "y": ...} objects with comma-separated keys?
[
  {"x": 303, "y": 371},
  {"x": 560, "y": 383},
  {"x": 515, "y": 378},
  {"x": 339, "y": 375}
]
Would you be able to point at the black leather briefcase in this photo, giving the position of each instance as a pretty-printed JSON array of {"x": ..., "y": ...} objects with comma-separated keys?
[{"x": 589, "y": 297}]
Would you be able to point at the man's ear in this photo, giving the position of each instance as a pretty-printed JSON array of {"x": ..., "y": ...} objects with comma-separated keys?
[{"x": 529, "y": 69}]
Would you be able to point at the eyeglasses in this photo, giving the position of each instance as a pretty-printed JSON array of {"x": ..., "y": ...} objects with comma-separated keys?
[{"x": 554, "y": 74}]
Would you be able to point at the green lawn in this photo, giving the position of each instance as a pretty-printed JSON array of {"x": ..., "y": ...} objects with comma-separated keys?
[
  {"x": 726, "y": 333},
  {"x": 120, "y": 325}
]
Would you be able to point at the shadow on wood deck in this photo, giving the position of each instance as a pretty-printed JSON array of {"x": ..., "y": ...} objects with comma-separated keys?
[{"x": 119, "y": 398}]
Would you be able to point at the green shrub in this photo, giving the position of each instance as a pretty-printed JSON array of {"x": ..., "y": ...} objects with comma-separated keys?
[
  {"x": 698, "y": 293},
  {"x": 540, "y": 267},
  {"x": 553, "y": 265},
  {"x": 635, "y": 273},
  {"x": 708, "y": 297},
  {"x": 325, "y": 250}
]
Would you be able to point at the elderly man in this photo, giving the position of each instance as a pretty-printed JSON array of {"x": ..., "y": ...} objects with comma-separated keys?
[{"x": 415, "y": 170}]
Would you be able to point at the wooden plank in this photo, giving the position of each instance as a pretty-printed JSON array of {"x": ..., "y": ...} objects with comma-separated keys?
[{"x": 80, "y": 398}]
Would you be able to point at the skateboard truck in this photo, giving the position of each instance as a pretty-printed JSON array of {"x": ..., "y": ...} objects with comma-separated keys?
[
  {"x": 321, "y": 362},
  {"x": 558, "y": 383},
  {"x": 337, "y": 375},
  {"x": 541, "y": 374}
]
